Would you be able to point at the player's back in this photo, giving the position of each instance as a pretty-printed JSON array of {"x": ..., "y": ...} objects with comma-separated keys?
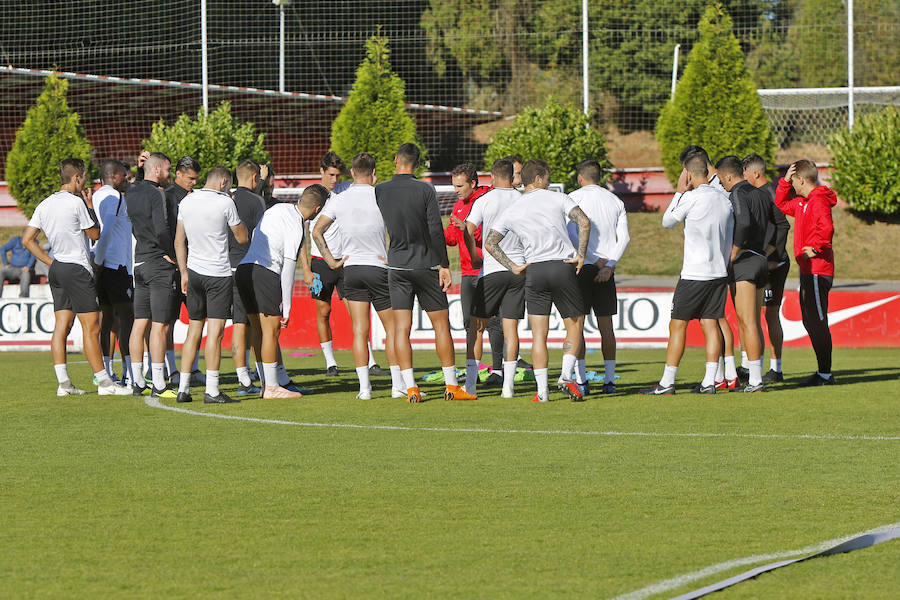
[
  {"x": 603, "y": 209},
  {"x": 412, "y": 218},
  {"x": 708, "y": 229},
  {"x": 540, "y": 221},
  {"x": 362, "y": 226}
]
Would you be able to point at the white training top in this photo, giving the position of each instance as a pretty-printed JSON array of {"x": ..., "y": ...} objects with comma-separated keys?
[
  {"x": 113, "y": 249},
  {"x": 362, "y": 227},
  {"x": 333, "y": 237},
  {"x": 207, "y": 215},
  {"x": 278, "y": 236},
  {"x": 63, "y": 217},
  {"x": 540, "y": 220},
  {"x": 485, "y": 212},
  {"x": 708, "y": 230},
  {"x": 609, "y": 224}
]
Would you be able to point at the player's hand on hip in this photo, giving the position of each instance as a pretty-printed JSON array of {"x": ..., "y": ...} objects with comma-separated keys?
[
  {"x": 445, "y": 278},
  {"x": 604, "y": 274},
  {"x": 334, "y": 265},
  {"x": 518, "y": 269},
  {"x": 578, "y": 261}
]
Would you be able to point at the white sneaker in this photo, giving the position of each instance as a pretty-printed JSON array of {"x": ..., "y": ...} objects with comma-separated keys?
[
  {"x": 113, "y": 389},
  {"x": 365, "y": 395},
  {"x": 395, "y": 393},
  {"x": 67, "y": 389}
]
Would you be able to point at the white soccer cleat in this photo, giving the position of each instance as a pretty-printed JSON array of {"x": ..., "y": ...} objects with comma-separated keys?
[
  {"x": 364, "y": 395},
  {"x": 67, "y": 389},
  {"x": 113, "y": 389},
  {"x": 395, "y": 393}
]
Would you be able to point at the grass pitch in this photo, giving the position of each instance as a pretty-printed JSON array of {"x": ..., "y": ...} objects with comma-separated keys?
[{"x": 108, "y": 497}]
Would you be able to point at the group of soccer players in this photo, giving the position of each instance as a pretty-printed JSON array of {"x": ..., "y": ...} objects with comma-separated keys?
[{"x": 151, "y": 246}]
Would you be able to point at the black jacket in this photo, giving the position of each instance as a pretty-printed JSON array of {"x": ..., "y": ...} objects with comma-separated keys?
[
  {"x": 412, "y": 217},
  {"x": 250, "y": 208},
  {"x": 148, "y": 211}
]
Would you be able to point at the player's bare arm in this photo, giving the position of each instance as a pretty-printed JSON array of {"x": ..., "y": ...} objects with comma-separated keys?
[
  {"x": 29, "y": 240},
  {"x": 469, "y": 237},
  {"x": 492, "y": 245},
  {"x": 181, "y": 254},
  {"x": 577, "y": 216},
  {"x": 318, "y": 235},
  {"x": 308, "y": 276}
]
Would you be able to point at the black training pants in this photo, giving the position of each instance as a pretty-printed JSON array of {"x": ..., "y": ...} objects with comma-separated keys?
[
  {"x": 495, "y": 324},
  {"x": 814, "y": 308}
]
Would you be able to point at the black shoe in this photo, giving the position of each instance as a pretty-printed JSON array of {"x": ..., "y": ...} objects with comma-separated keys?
[
  {"x": 163, "y": 392},
  {"x": 610, "y": 388},
  {"x": 815, "y": 380},
  {"x": 222, "y": 398},
  {"x": 743, "y": 374},
  {"x": 184, "y": 397},
  {"x": 332, "y": 371},
  {"x": 522, "y": 364},
  {"x": 773, "y": 376},
  {"x": 699, "y": 388},
  {"x": 751, "y": 389},
  {"x": 137, "y": 391},
  {"x": 376, "y": 371},
  {"x": 658, "y": 390},
  {"x": 494, "y": 380}
]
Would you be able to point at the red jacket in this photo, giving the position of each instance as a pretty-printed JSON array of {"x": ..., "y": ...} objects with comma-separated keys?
[
  {"x": 812, "y": 226},
  {"x": 454, "y": 235}
]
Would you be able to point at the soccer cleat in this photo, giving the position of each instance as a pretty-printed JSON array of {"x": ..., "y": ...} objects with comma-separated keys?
[
  {"x": 455, "y": 392},
  {"x": 522, "y": 364},
  {"x": 198, "y": 378},
  {"x": 222, "y": 398},
  {"x": 137, "y": 390},
  {"x": 570, "y": 389},
  {"x": 332, "y": 371},
  {"x": 276, "y": 391},
  {"x": 184, "y": 397},
  {"x": 395, "y": 393},
  {"x": 67, "y": 389},
  {"x": 751, "y": 389},
  {"x": 507, "y": 394},
  {"x": 113, "y": 389},
  {"x": 376, "y": 371},
  {"x": 364, "y": 395},
  {"x": 244, "y": 390},
  {"x": 584, "y": 388},
  {"x": 293, "y": 387},
  {"x": 659, "y": 390},
  {"x": 537, "y": 398},
  {"x": 727, "y": 384},
  {"x": 773, "y": 376},
  {"x": 743, "y": 373},
  {"x": 413, "y": 396},
  {"x": 163, "y": 393},
  {"x": 699, "y": 388},
  {"x": 609, "y": 387},
  {"x": 493, "y": 380},
  {"x": 815, "y": 380}
]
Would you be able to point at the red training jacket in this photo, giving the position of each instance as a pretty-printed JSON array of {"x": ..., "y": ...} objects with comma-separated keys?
[
  {"x": 812, "y": 226},
  {"x": 454, "y": 235}
]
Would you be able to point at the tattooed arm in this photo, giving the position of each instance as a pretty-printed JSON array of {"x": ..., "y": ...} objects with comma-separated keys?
[
  {"x": 577, "y": 216},
  {"x": 318, "y": 235},
  {"x": 492, "y": 245}
]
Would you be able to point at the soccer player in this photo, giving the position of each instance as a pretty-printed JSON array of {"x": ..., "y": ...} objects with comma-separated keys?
[
  {"x": 701, "y": 290},
  {"x": 465, "y": 182},
  {"x": 498, "y": 291},
  {"x": 800, "y": 195},
  {"x": 67, "y": 219},
  {"x": 551, "y": 265},
  {"x": 779, "y": 264},
  {"x": 748, "y": 267},
  {"x": 265, "y": 278},
  {"x": 112, "y": 256},
  {"x": 365, "y": 272},
  {"x": 250, "y": 208},
  {"x": 205, "y": 218},
  {"x": 418, "y": 268},
  {"x": 608, "y": 241},
  {"x": 18, "y": 266}
]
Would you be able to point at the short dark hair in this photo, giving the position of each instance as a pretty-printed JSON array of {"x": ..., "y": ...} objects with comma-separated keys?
[
  {"x": 503, "y": 169},
  {"x": 534, "y": 168},
  {"x": 590, "y": 169},
  {"x": 314, "y": 195},
  {"x": 730, "y": 164},
  {"x": 69, "y": 168},
  {"x": 409, "y": 154},
  {"x": 246, "y": 168},
  {"x": 467, "y": 169},
  {"x": 516, "y": 158},
  {"x": 110, "y": 167},
  {"x": 696, "y": 164},
  {"x": 363, "y": 164},
  {"x": 187, "y": 163},
  {"x": 154, "y": 158},
  {"x": 754, "y": 161},
  {"x": 807, "y": 170},
  {"x": 219, "y": 173},
  {"x": 691, "y": 151},
  {"x": 331, "y": 159}
]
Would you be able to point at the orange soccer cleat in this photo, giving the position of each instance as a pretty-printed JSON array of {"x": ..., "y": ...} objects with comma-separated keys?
[
  {"x": 455, "y": 392},
  {"x": 413, "y": 395}
]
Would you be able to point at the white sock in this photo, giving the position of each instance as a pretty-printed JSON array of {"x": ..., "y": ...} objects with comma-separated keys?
[
  {"x": 184, "y": 382},
  {"x": 668, "y": 377},
  {"x": 775, "y": 364},
  {"x": 365, "y": 385},
  {"x": 720, "y": 370},
  {"x": 568, "y": 364},
  {"x": 270, "y": 372},
  {"x": 755, "y": 368},
  {"x": 471, "y": 375},
  {"x": 730, "y": 371},
  {"x": 543, "y": 388},
  {"x": 62, "y": 373},
  {"x": 396, "y": 378},
  {"x": 212, "y": 383},
  {"x": 243, "y": 375},
  {"x": 372, "y": 362},
  {"x": 282, "y": 376},
  {"x": 170, "y": 362},
  {"x": 107, "y": 366},
  {"x": 146, "y": 365},
  {"x": 450, "y": 375},
  {"x": 609, "y": 371},
  {"x": 196, "y": 366},
  {"x": 744, "y": 358},
  {"x": 328, "y": 351},
  {"x": 102, "y": 378},
  {"x": 137, "y": 375},
  {"x": 157, "y": 371},
  {"x": 710, "y": 377},
  {"x": 509, "y": 376},
  {"x": 581, "y": 370},
  {"x": 409, "y": 380}
]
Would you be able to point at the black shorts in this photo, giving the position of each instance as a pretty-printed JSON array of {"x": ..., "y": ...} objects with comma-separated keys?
[
  {"x": 155, "y": 294},
  {"x": 553, "y": 282},
  {"x": 501, "y": 293},
  {"x": 750, "y": 267},
  {"x": 424, "y": 284},
  {"x": 599, "y": 296},
  {"x": 208, "y": 297},
  {"x": 260, "y": 290},
  {"x": 699, "y": 299},
  {"x": 777, "y": 277},
  {"x": 238, "y": 312},
  {"x": 366, "y": 283},
  {"x": 179, "y": 298},
  {"x": 72, "y": 288},
  {"x": 114, "y": 286},
  {"x": 331, "y": 279}
]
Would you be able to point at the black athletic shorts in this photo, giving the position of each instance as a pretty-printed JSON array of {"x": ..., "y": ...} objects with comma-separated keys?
[
  {"x": 777, "y": 277},
  {"x": 154, "y": 291},
  {"x": 114, "y": 286},
  {"x": 599, "y": 296},
  {"x": 553, "y": 282},
  {"x": 367, "y": 283},
  {"x": 260, "y": 290},
  {"x": 208, "y": 297},
  {"x": 238, "y": 312},
  {"x": 179, "y": 298},
  {"x": 331, "y": 279},
  {"x": 424, "y": 284},
  {"x": 72, "y": 288},
  {"x": 699, "y": 299},
  {"x": 501, "y": 293},
  {"x": 749, "y": 267}
]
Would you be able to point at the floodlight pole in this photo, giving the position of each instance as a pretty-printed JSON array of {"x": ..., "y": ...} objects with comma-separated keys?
[
  {"x": 584, "y": 53},
  {"x": 674, "y": 71},
  {"x": 850, "y": 64},
  {"x": 204, "y": 64}
]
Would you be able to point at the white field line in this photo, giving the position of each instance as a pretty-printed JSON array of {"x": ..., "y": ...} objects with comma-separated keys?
[
  {"x": 676, "y": 582},
  {"x": 155, "y": 403}
]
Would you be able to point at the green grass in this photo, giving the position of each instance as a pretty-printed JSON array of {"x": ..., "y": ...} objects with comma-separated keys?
[{"x": 107, "y": 497}]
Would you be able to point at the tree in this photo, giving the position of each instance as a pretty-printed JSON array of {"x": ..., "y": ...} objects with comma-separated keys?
[
  {"x": 51, "y": 133},
  {"x": 216, "y": 139},
  {"x": 375, "y": 119},
  {"x": 715, "y": 105},
  {"x": 559, "y": 134}
]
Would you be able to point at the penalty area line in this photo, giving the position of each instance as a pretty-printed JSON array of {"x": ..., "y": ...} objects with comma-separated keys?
[{"x": 155, "y": 403}]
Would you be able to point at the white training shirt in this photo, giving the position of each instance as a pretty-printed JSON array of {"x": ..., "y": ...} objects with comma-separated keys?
[
  {"x": 278, "y": 236},
  {"x": 540, "y": 220},
  {"x": 362, "y": 227},
  {"x": 485, "y": 212},
  {"x": 113, "y": 249},
  {"x": 63, "y": 217},
  {"x": 207, "y": 215},
  {"x": 609, "y": 224},
  {"x": 333, "y": 237},
  {"x": 708, "y": 230}
]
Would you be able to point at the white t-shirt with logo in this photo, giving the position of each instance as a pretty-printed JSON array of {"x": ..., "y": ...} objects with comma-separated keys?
[
  {"x": 609, "y": 224},
  {"x": 63, "y": 217},
  {"x": 334, "y": 236},
  {"x": 362, "y": 227},
  {"x": 485, "y": 212},
  {"x": 539, "y": 220},
  {"x": 207, "y": 215},
  {"x": 708, "y": 231},
  {"x": 278, "y": 236}
]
